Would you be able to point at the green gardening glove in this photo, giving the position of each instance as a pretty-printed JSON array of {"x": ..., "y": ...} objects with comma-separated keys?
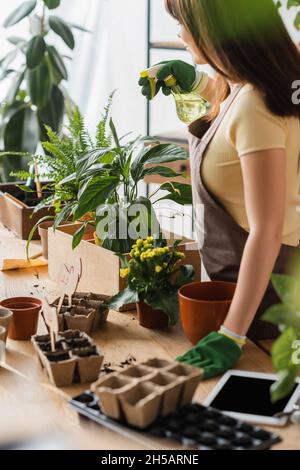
[
  {"x": 184, "y": 73},
  {"x": 215, "y": 354}
]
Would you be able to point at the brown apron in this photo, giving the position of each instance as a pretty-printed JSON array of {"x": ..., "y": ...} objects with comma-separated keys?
[{"x": 223, "y": 239}]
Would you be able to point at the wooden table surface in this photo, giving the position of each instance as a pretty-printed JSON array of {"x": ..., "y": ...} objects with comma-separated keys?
[{"x": 31, "y": 406}]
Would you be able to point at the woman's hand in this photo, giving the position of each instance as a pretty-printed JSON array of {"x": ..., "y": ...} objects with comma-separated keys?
[
  {"x": 215, "y": 354},
  {"x": 187, "y": 78}
]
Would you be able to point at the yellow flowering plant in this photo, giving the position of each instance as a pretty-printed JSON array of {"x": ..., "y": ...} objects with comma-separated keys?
[{"x": 154, "y": 273}]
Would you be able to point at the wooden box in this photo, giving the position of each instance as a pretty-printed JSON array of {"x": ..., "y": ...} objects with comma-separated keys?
[
  {"x": 17, "y": 216},
  {"x": 100, "y": 267}
]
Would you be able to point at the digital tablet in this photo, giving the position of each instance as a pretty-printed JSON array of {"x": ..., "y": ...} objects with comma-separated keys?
[{"x": 246, "y": 396}]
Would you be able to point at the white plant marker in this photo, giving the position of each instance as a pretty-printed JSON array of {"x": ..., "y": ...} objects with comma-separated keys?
[
  {"x": 68, "y": 281},
  {"x": 51, "y": 319}
]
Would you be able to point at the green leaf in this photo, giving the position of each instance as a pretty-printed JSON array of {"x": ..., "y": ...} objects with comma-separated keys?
[
  {"x": 161, "y": 171},
  {"x": 114, "y": 133},
  {"x": 16, "y": 40},
  {"x": 57, "y": 65},
  {"x": 19, "y": 13},
  {"x": 288, "y": 289},
  {"x": 284, "y": 385},
  {"x": 52, "y": 114},
  {"x": 80, "y": 28},
  {"x": 95, "y": 193},
  {"x": 39, "y": 85},
  {"x": 35, "y": 51},
  {"x": 52, "y": 4},
  {"x": 167, "y": 301},
  {"x": 21, "y": 132},
  {"x": 282, "y": 314},
  {"x": 186, "y": 275},
  {"x": 282, "y": 349},
  {"x": 14, "y": 88},
  {"x": 64, "y": 214},
  {"x": 78, "y": 236},
  {"x": 127, "y": 296},
  {"x": 62, "y": 29},
  {"x": 177, "y": 192}
]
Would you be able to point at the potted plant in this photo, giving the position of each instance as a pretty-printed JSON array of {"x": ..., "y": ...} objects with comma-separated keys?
[
  {"x": 286, "y": 349},
  {"x": 34, "y": 71},
  {"x": 108, "y": 179},
  {"x": 153, "y": 279}
]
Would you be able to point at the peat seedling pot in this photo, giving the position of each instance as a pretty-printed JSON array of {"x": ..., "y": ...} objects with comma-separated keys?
[
  {"x": 150, "y": 318},
  {"x": 204, "y": 307},
  {"x": 25, "y": 316},
  {"x": 5, "y": 319}
]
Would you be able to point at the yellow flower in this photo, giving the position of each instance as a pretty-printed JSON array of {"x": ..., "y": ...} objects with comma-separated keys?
[
  {"x": 140, "y": 243},
  {"x": 165, "y": 265},
  {"x": 124, "y": 273},
  {"x": 137, "y": 254},
  {"x": 158, "y": 269},
  {"x": 180, "y": 255},
  {"x": 150, "y": 240}
]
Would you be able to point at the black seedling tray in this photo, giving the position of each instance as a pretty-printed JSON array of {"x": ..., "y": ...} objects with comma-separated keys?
[{"x": 193, "y": 426}]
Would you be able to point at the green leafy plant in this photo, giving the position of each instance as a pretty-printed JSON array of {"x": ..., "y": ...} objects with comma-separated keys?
[
  {"x": 36, "y": 96},
  {"x": 284, "y": 351},
  {"x": 295, "y": 5},
  {"x": 154, "y": 277},
  {"x": 109, "y": 179}
]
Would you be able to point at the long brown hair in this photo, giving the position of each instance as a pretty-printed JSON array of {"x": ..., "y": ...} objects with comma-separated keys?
[{"x": 245, "y": 41}]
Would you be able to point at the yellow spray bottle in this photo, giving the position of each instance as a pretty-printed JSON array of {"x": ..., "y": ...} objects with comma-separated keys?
[{"x": 190, "y": 106}]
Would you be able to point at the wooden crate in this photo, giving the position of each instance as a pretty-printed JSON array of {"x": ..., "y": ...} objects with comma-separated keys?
[
  {"x": 17, "y": 216},
  {"x": 100, "y": 267}
]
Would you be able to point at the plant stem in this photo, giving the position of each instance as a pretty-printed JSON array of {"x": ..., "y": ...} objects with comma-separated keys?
[{"x": 43, "y": 19}]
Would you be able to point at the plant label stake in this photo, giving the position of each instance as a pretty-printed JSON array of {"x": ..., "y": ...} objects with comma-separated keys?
[
  {"x": 68, "y": 281},
  {"x": 51, "y": 319}
]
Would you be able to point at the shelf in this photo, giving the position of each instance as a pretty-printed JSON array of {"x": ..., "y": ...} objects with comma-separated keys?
[{"x": 167, "y": 45}]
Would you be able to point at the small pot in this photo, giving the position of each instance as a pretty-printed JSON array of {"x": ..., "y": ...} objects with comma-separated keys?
[
  {"x": 204, "y": 307},
  {"x": 5, "y": 319},
  {"x": 25, "y": 316},
  {"x": 150, "y": 318},
  {"x": 43, "y": 233}
]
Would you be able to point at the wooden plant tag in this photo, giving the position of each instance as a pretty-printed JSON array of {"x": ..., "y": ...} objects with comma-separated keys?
[
  {"x": 68, "y": 281},
  {"x": 51, "y": 319}
]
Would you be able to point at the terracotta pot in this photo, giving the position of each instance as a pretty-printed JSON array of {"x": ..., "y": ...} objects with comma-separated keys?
[
  {"x": 150, "y": 318},
  {"x": 5, "y": 319},
  {"x": 204, "y": 307},
  {"x": 25, "y": 316}
]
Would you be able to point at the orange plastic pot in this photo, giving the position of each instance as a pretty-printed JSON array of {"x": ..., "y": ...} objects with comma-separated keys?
[
  {"x": 25, "y": 316},
  {"x": 150, "y": 318},
  {"x": 204, "y": 307}
]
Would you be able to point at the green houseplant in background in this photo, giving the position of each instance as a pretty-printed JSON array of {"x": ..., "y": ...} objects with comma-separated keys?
[
  {"x": 153, "y": 279},
  {"x": 286, "y": 349},
  {"x": 109, "y": 180},
  {"x": 36, "y": 96}
]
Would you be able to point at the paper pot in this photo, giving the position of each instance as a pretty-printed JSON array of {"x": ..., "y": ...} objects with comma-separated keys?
[
  {"x": 140, "y": 405},
  {"x": 109, "y": 390},
  {"x": 190, "y": 377}
]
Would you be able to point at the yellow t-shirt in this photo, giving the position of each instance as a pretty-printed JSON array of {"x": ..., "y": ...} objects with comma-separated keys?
[{"x": 249, "y": 127}]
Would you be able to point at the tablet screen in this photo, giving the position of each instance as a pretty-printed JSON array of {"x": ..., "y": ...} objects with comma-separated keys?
[{"x": 248, "y": 395}]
